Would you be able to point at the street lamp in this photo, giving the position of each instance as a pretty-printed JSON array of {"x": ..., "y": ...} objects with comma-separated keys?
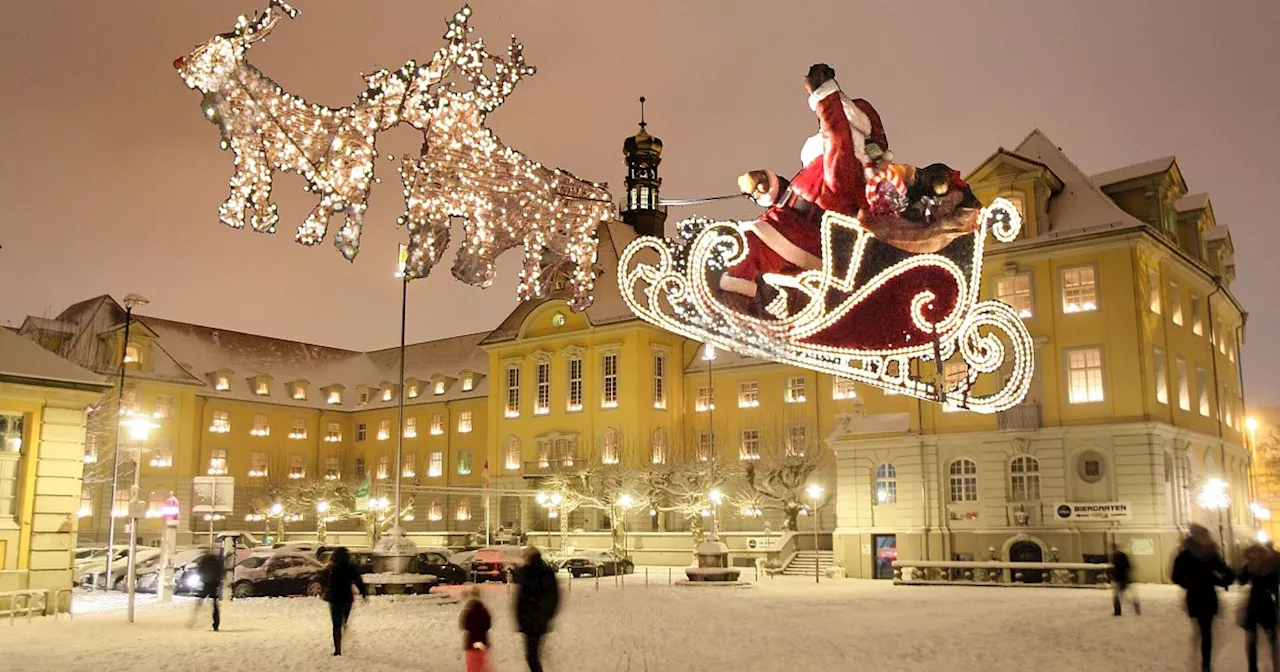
[
  {"x": 815, "y": 492},
  {"x": 625, "y": 502},
  {"x": 716, "y": 498},
  {"x": 1213, "y": 497},
  {"x": 139, "y": 427},
  {"x": 130, "y": 302}
]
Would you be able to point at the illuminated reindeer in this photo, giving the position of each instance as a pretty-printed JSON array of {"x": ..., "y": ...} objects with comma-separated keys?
[
  {"x": 507, "y": 199},
  {"x": 271, "y": 130}
]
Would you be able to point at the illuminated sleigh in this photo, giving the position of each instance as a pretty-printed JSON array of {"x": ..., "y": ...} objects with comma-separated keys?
[{"x": 873, "y": 313}]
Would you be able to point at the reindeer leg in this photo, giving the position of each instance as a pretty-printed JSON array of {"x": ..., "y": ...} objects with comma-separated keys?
[
  {"x": 347, "y": 239},
  {"x": 531, "y": 279},
  {"x": 232, "y": 210},
  {"x": 265, "y": 214},
  {"x": 312, "y": 230},
  {"x": 427, "y": 238},
  {"x": 474, "y": 264},
  {"x": 583, "y": 256}
]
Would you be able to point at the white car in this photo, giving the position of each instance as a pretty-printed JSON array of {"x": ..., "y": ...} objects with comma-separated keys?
[{"x": 97, "y": 577}]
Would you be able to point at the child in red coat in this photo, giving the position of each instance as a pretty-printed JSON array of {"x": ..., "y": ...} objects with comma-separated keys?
[{"x": 475, "y": 623}]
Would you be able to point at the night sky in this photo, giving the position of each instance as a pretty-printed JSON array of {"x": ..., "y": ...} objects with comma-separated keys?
[{"x": 111, "y": 178}]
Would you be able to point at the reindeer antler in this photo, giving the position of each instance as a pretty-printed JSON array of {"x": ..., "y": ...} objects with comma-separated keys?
[{"x": 262, "y": 23}]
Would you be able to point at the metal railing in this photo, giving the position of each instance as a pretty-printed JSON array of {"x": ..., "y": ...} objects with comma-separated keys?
[
  {"x": 26, "y": 602},
  {"x": 963, "y": 573},
  {"x": 553, "y": 466}
]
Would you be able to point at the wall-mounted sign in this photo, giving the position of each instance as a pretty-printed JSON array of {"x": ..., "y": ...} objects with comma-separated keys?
[{"x": 1091, "y": 511}]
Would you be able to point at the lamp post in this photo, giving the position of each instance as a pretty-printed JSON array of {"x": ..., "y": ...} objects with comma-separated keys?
[
  {"x": 1213, "y": 496},
  {"x": 404, "y": 311},
  {"x": 322, "y": 520},
  {"x": 139, "y": 428},
  {"x": 625, "y": 502},
  {"x": 716, "y": 498},
  {"x": 130, "y": 301},
  {"x": 815, "y": 492}
]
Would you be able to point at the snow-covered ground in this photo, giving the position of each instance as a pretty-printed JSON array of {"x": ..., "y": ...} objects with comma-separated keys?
[{"x": 785, "y": 624}]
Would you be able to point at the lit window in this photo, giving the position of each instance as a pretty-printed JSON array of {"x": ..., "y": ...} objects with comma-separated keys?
[
  {"x": 955, "y": 377},
  {"x": 132, "y": 353},
  {"x": 513, "y": 454},
  {"x": 1227, "y": 405},
  {"x": 542, "y": 405},
  {"x": 221, "y": 382},
  {"x": 659, "y": 380},
  {"x": 164, "y": 407},
  {"x": 384, "y": 467},
  {"x": 437, "y": 424},
  {"x": 842, "y": 388},
  {"x": 120, "y": 505},
  {"x": 299, "y": 391},
  {"x": 464, "y": 509},
  {"x": 464, "y": 462},
  {"x": 1184, "y": 389},
  {"x": 963, "y": 481},
  {"x": 795, "y": 392},
  {"x": 388, "y": 392},
  {"x": 261, "y": 387},
  {"x": 658, "y": 446},
  {"x": 162, "y": 454},
  {"x": 258, "y": 465},
  {"x": 1162, "y": 375},
  {"x": 513, "y": 391},
  {"x": 1197, "y": 321},
  {"x": 359, "y": 467},
  {"x": 334, "y": 397},
  {"x": 298, "y": 428},
  {"x": 1024, "y": 479},
  {"x": 409, "y": 468},
  {"x": 261, "y": 426},
  {"x": 412, "y": 389},
  {"x": 1015, "y": 290},
  {"x": 1153, "y": 290},
  {"x": 1175, "y": 303},
  {"x": 609, "y": 452},
  {"x": 1202, "y": 390},
  {"x": 797, "y": 440},
  {"x": 297, "y": 466},
  {"x": 435, "y": 466},
  {"x": 706, "y": 446},
  {"x": 334, "y": 433},
  {"x": 410, "y": 428},
  {"x": 332, "y": 468},
  {"x": 575, "y": 385},
  {"x": 749, "y": 448},
  {"x": 362, "y": 431},
  {"x": 610, "y": 398},
  {"x": 217, "y": 463},
  {"x": 438, "y": 389},
  {"x": 90, "y": 445},
  {"x": 384, "y": 430},
  {"x": 886, "y": 484},
  {"x": 468, "y": 382},
  {"x": 1084, "y": 368},
  {"x": 1222, "y": 338},
  {"x": 705, "y": 400},
  {"x": 129, "y": 402},
  {"x": 1231, "y": 347},
  {"x": 86, "y": 504},
  {"x": 1079, "y": 289},
  {"x": 748, "y": 394},
  {"x": 436, "y": 511},
  {"x": 464, "y": 422},
  {"x": 221, "y": 422}
]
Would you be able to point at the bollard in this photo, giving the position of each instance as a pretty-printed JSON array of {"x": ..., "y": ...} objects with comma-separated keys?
[
  {"x": 668, "y": 576},
  {"x": 646, "y": 577},
  {"x": 597, "y": 579}
]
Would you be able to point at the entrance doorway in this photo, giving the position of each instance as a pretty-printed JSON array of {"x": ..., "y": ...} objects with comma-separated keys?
[
  {"x": 886, "y": 546},
  {"x": 1027, "y": 551}
]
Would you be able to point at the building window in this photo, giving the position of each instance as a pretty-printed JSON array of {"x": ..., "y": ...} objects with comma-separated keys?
[
  {"x": 1015, "y": 290},
  {"x": 513, "y": 391},
  {"x": 1184, "y": 389},
  {"x": 609, "y": 452},
  {"x": 464, "y": 422},
  {"x": 658, "y": 446},
  {"x": 1202, "y": 390},
  {"x": 410, "y": 428},
  {"x": 963, "y": 481},
  {"x": 1222, "y": 337},
  {"x": 221, "y": 382},
  {"x": 221, "y": 422},
  {"x": 1197, "y": 321},
  {"x": 164, "y": 407},
  {"x": 1175, "y": 303},
  {"x": 468, "y": 382},
  {"x": 120, "y": 505},
  {"x": 748, "y": 394},
  {"x": 438, "y": 388},
  {"x": 261, "y": 387},
  {"x": 1084, "y": 369},
  {"x": 362, "y": 396},
  {"x": 797, "y": 440},
  {"x": 1231, "y": 347},
  {"x": 1227, "y": 405},
  {"x": 437, "y": 424},
  {"x": 1162, "y": 375},
  {"x": 795, "y": 392},
  {"x": 749, "y": 449},
  {"x": 436, "y": 511},
  {"x": 384, "y": 430},
  {"x": 258, "y": 465},
  {"x": 408, "y": 469},
  {"x": 464, "y": 509},
  {"x": 542, "y": 403},
  {"x": 384, "y": 467},
  {"x": 659, "y": 380},
  {"x": 886, "y": 484},
  {"x": 298, "y": 428},
  {"x": 132, "y": 354},
  {"x": 299, "y": 391},
  {"x": 435, "y": 467},
  {"x": 359, "y": 467},
  {"x": 705, "y": 400},
  {"x": 706, "y": 446},
  {"x": 334, "y": 433},
  {"x": 217, "y": 462},
  {"x": 464, "y": 462},
  {"x": 362, "y": 431},
  {"x": 610, "y": 399},
  {"x": 842, "y": 388},
  {"x": 332, "y": 468},
  {"x": 129, "y": 402},
  {"x": 575, "y": 385},
  {"x": 412, "y": 389},
  {"x": 334, "y": 397},
  {"x": 1153, "y": 290},
  {"x": 1024, "y": 479},
  {"x": 297, "y": 466},
  {"x": 513, "y": 454},
  {"x": 261, "y": 426},
  {"x": 1079, "y": 289},
  {"x": 86, "y": 504},
  {"x": 162, "y": 454}
]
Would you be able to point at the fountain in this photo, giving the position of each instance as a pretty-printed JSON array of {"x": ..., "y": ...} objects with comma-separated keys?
[
  {"x": 395, "y": 566},
  {"x": 713, "y": 564}
]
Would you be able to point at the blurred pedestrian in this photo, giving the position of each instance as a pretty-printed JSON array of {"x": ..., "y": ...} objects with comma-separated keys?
[
  {"x": 342, "y": 580},
  {"x": 537, "y": 599},
  {"x": 475, "y": 623},
  {"x": 1262, "y": 569},
  {"x": 1121, "y": 581},
  {"x": 211, "y": 569},
  {"x": 1199, "y": 570}
]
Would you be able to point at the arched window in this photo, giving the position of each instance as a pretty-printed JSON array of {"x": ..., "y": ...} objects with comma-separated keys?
[
  {"x": 886, "y": 484},
  {"x": 964, "y": 481},
  {"x": 659, "y": 446},
  {"x": 609, "y": 446},
  {"x": 1024, "y": 479}
]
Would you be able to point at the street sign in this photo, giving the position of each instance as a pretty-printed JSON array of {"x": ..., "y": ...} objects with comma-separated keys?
[
  {"x": 1092, "y": 511},
  {"x": 214, "y": 494}
]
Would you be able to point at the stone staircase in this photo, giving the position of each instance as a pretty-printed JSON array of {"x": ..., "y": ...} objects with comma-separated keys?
[{"x": 803, "y": 562}]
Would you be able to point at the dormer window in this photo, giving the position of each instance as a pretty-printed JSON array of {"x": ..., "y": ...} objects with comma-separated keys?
[
  {"x": 332, "y": 394},
  {"x": 262, "y": 386},
  {"x": 388, "y": 391},
  {"x": 362, "y": 395},
  {"x": 469, "y": 379},
  {"x": 298, "y": 390},
  {"x": 412, "y": 388},
  {"x": 439, "y": 387},
  {"x": 222, "y": 381},
  {"x": 132, "y": 353}
]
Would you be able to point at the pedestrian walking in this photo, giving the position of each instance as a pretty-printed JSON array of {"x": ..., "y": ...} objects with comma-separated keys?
[
  {"x": 342, "y": 580},
  {"x": 1262, "y": 570},
  {"x": 537, "y": 599},
  {"x": 475, "y": 623},
  {"x": 1121, "y": 581},
  {"x": 1199, "y": 570},
  {"x": 211, "y": 569}
]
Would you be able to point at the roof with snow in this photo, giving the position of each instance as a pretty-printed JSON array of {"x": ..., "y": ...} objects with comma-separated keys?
[
  {"x": 1137, "y": 170},
  {"x": 23, "y": 361}
]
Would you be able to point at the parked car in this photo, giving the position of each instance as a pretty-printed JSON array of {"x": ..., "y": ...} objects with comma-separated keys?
[
  {"x": 438, "y": 565},
  {"x": 149, "y": 577},
  {"x": 598, "y": 563},
  {"x": 94, "y": 575},
  {"x": 275, "y": 573},
  {"x": 91, "y": 560},
  {"x": 490, "y": 563},
  {"x": 186, "y": 573}
]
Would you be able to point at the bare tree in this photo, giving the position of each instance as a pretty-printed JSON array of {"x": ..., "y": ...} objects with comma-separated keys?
[
  {"x": 685, "y": 488},
  {"x": 778, "y": 476},
  {"x": 600, "y": 488}
]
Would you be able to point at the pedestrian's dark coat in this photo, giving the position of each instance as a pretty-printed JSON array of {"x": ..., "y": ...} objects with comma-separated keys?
[
  {"x": 340, "y": 578},
  {"x": 1121, "y": 570},
  {"x": 1199, "y": 570},
  {"x": 538, "y": 597},
  {"x": 211, "y": 569},
  {"x": 1264, "y": 574}
]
